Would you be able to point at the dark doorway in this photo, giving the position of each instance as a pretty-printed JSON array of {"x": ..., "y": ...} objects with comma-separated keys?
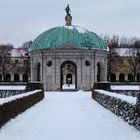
[
  {"x": 130, "y": 77},
  {"x": 38, "y": 72},
  {"x": 113, "y": 77},
  {"x": 25, "y": 77},
  {"x": 98, "y": 72},
  {"x": 7, "y": 78},
  {"x": 0, "y": 77},
  {"x": 68, "y": 75},
  {"x": 16, "y": 78},
  {"x": 121, "y": 78},
  {"x": 138, "y": 77}
]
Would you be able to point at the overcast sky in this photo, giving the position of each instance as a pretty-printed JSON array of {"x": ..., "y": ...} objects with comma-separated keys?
[{"x": 24, "y": 20}]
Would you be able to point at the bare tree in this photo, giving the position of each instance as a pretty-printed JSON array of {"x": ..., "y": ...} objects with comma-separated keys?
[
  {"x": 5, "y": 53},
  {"x": 26, "y": 45},
  {"x": 134, "y": 58}
]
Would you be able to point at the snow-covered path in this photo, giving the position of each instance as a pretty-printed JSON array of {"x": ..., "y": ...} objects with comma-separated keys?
[{"x": 68, "y": 116}]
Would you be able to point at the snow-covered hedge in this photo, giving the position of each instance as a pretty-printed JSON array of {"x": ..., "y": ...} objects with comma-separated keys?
[
  {"x": 12, "y": 106},
  {"x": 126, "y": 109},
  {"x": 11, "y": 89},
  {"x": 133, "y": 93}
]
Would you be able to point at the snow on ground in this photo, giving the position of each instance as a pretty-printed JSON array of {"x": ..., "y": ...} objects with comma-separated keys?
[
  {"x": 125, "y": 87},
  {"x": 69, "y": 86},
  {"x": 129, "y": 99},
  {"x": 68, "y": 116}
]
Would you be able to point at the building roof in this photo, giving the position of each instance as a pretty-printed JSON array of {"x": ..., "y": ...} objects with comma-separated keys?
[
  {"x": 126, "y": 52},
  {"x": 68, "y": 35},
  {"x": 17, "y": 52}
]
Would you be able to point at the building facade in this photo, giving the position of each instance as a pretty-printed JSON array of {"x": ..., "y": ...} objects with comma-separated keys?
[{"x": 14, "y": 66}]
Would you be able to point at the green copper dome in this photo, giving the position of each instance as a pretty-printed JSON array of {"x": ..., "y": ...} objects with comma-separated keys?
[{"x": 68, "y": 35}]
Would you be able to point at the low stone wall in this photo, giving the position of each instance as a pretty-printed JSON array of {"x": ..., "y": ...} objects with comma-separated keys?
[
  {"x": 127, "y": 111},
  {"x": 12, "y": 108}
]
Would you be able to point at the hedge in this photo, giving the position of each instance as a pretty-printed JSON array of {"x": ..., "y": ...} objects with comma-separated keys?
[
  {"x": 12, "y": 108},
  {"x": 127, "y": 111}
]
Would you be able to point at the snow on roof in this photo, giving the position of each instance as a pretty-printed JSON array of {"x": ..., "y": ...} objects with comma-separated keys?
[
  {"x": 126, "y": 51},
  {"x": 18, "y": 52},
  {"x": 9, "y": 99},
  {"x": 129, "y": 99},
  {"x": 78, "y": 28}
]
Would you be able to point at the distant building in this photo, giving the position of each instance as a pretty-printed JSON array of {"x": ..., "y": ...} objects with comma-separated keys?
[
  {"x": 124, "y": 65},
  {"x": 15, "y": 66},
  {"x": 68, "y": 57}
]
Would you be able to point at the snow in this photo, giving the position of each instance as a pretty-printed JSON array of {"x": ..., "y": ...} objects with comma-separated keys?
[
  {"x": 68, "y": 86},
  {"x": 126, "y": 51},
  {"x": 129, "y": 99},
  {"x": 79, "y": 29},
  {"x": 9, "y": 99},
  {"x": 125, "y": 87},
  {"x": 68, "y": 116},
  {"x": 9, "y": 87}
]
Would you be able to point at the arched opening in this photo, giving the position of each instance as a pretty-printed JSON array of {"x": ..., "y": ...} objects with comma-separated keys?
[
  {"x": 113, "y": 77},
  {"x": 7, "y": 78},
  {"x": 25, "y": 77},
  {"x": 38, "y": 72},
  {"x": 98, "y": 72},
  {"x": 121, "y": 77},
  {"x": 138, "y": 77},
  {"x": 16, "y": 77},
  {"x": 0, "y": 77},
  {"x": 130, "y": 77},
  {"x": 68, "y": 75}
]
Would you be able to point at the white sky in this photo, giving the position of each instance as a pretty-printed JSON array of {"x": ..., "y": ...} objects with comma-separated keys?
[{"x": 23, "y": 20}]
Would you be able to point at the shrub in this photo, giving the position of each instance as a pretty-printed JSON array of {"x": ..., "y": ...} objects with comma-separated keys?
[
  {"x": 12, "y": 108},
  {"x": 102, "y": 85}
]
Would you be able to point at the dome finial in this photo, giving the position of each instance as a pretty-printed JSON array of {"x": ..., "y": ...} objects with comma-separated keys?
[{"x": 68, "y": 17}]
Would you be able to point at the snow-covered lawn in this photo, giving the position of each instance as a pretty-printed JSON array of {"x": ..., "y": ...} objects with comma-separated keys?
[{"x": 68, "y": 116}]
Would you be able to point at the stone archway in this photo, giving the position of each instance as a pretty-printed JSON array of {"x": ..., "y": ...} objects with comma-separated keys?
[{"x": 68, "y": 79}]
